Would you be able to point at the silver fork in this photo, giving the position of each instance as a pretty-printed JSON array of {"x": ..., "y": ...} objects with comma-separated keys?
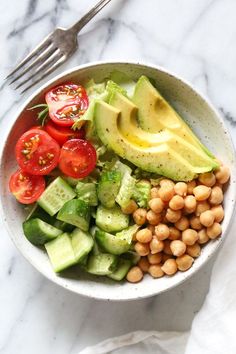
[{"x": 52, "y": 52}]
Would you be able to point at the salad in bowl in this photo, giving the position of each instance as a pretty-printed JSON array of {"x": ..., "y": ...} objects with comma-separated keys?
[{"x": 115, "y": 182}]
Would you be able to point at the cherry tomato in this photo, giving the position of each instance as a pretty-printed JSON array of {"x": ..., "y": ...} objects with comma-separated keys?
[
  {"x": 36, "y": 152},
  {"x": 62, "y": 134},
  {"x": 78, "y": 158},
  {"x": 66, "y": 103},
  {"x": 25, "y": 187}
]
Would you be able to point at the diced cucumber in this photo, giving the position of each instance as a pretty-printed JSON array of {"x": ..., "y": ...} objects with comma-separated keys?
[
  {"x": 55, "y": 196},
  {"x": 111, "y": 220},
  {"x": 142, "y": 193},
  {"x": 101, "y": 264},
  {"x": 63, "y": 226},
  {"x": 61, "y": 253},
  {"x": 75, "y": 212},
  {"x": 87, "y": 192},
  {"x": 38, "y": 232},
  {"x": 111, "y": 243},
  {"x": 126, "y": 190},
  {"x": 131, "y": 256},
  {"x": 122, "y": 269},
  {"x": 108, "y": 188},
  {"x": 37, "y": 212},
  {"x": 82, "y": 243},
  {"x": 127, "y": 234}
]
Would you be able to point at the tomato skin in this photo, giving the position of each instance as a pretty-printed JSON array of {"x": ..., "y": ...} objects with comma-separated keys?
[
  {"x": 77, "y": 158},
  {"x": 36, "y": 152},
  {"x": 66, "y": 103},
  {"x": 25, "y": 187},
  {"x": 62, "y": 134}
]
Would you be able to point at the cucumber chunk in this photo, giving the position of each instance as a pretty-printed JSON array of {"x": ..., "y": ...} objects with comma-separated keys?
[
  {"x": 122, "y": 269},
  {"x": 101, "y": 264},
  {"x": 111, "y": 220},
  {"x": 82, "y": 243},
  {"x": 63, "y": 225},
  {"x": 126, "y": 190},
  {"x": 61, "y": 253},
  {"x": 38, "y": 232},
  {"x": 108, "y": 188},
  {"x": 55, "y": 196},
  {"x": 111, "y": 243},
  {"x": 87, "y": 192},
  {"x": 127, "y": 234},
  {"x": 75, "y": 212},
  {"x": 37, "y": 212},
  {"x": 132, "y": 256},
  {"x": 142, "y": 193}
]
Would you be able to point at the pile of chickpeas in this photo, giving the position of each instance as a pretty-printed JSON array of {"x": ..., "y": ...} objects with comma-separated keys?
[{"x": 180, "y": 219}]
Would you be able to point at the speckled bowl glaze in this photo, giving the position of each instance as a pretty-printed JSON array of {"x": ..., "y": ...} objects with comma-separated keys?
[{"x": 198, "y": 113}]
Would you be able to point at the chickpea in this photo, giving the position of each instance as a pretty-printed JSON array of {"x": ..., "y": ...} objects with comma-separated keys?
[
  {"x": 214, "y": 231},
  {"x": 182, "y": 224},
  {"x": 176, "y": 203},
  {"x": 184, "y": 262},
  {"x": 201, "y": 192},
  {"x": 173, "y": 215},
  {"x": 169, "y": 267},
  {"x": 208, "y": 179},
  {"x": 166, "y": 193},
  {"x": 189, "y": 237},
  {"x": 144, "y": 264},
  {"x": 216, "y": 196},
  {"x": 142, "y": 248},
  {"x": 181, "y": 189},
  {"x": 202, "y": 237},
  {"x": 175, "y": 234},
  {"x": 194, "y": 250},
  {"x": 156, "y": 205},
  {"x": 151, "y": 228},
  {"x": 165, "y": 182},
  {"x": 223, "y": 174},
  {"x": 153, "y": 218},
  {"x": 134, "y": 275},
  {"x": 219, "y": 213},
  {"x": 195, "y": 223},
  {"x": 155, "y": 258},
  {"x": 130, "y": 208},
  {"x": 140, "y": 216},
  {"x": 207, "y": 218},
  {"x": 201, "y": 207},
  {"x": 166, "y": 256},
  {"x": 190, "y": 186},
  {"x": 167, "y": 249},
  {"x": 144, "y": 236},
  {"x": 178, "y": 248},
  {"x": 190, "y": 204},
  {"x": 156, "y": 246},
  {"x": 154, "y": 193},
  {"x": 162, "y": 232},
  {"x": 155, "y": 271}
]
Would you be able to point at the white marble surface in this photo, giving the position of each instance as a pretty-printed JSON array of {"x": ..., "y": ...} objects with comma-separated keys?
[{"x": 193, "y": 38}]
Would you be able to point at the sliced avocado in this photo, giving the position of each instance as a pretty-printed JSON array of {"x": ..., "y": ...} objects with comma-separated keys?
[
  {"x": 162, "y": 158},
  {"x": 128, "y": 127},
  {"x": 155, "y": 113}
]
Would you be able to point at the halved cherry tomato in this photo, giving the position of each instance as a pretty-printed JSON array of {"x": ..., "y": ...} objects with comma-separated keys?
[
  {"x": 78, "y": 158},
  {"x": 66, "y": 103},
  {"x": 62, "y": 134},
  {"x": 25, "y": 187},
  {"x": 36, "y": 152}
]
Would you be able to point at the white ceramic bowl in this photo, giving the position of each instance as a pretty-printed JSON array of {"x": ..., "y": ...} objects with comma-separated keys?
[{"x": 199, "y": 114}]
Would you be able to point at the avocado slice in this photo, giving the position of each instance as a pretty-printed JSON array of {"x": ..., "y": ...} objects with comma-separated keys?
[
  {"x": 161, "y": 159},
  {"x": 127, "y": 124},
  {"x": 155, "y": 113}
]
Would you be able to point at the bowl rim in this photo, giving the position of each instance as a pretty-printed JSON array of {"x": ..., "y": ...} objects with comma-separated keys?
[{"x": 69, "y": 71}]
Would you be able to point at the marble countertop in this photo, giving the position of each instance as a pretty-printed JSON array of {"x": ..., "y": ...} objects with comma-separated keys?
[{"x": 195, "y": 39}]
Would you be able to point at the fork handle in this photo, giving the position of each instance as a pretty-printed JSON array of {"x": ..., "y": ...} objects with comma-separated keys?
[{"x": 76, "y": 28}]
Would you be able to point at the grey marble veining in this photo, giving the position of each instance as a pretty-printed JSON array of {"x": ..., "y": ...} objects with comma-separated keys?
[{"x": 195, "y": 39}]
